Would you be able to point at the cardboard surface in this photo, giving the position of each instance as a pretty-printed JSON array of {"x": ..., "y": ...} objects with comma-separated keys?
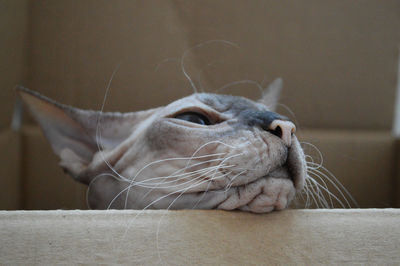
[
  {"x": 397, "y": 176},
  {"x": 364, "y": 162},
  {"x": 338, "y": 59},
  {"x": 10, "y": 167},
  {"x": 13, "y": 53},
  {"x": 44, "y": 185},
  {"x": 292, "y": 237},
  {"x": 74, "y": 55}
]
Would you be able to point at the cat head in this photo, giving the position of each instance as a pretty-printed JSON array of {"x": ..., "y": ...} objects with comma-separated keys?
[{"x": 203, "y": 151}]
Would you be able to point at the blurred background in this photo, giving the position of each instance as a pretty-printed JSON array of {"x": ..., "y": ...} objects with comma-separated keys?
[{"x": 338, "y": 59}]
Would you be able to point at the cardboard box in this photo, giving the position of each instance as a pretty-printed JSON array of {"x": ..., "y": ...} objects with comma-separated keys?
[
  {"x": 13, "y": 53},
  {"x": 338, "y": 59},
  {"x": 397, "y": 177},
  {"x": 10, "y": 167},
  {"x": 44, "y": 185},
  {"x": 86, "y": 44},
  {"x": 363, "y": 161},
  {"x": 291, "y": 237}
]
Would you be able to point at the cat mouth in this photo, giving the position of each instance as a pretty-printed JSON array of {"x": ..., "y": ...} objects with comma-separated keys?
[
  {"x": 272, "y": 191},
  {"x": 294, "y": 169}
]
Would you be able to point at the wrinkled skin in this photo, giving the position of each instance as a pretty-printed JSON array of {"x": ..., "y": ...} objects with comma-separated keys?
[{"x": 151, "y": 159}]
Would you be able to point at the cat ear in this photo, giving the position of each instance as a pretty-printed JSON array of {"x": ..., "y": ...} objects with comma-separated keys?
[
  {"x": 76, "y": 135},
  {"x": 271, "y": 94}
]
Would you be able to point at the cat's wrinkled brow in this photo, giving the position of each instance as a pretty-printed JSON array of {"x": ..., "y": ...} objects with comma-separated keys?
[{"x": 227, "y": 103}]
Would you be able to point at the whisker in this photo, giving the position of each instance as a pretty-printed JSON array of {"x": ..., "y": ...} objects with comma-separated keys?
[
  {"x": 196, "y": 47},
  {"x": 213, "y": 169},
  {"x": 159, "y": 223},
  {"x": 245, "y": 81},
  {"x": 320, "y": 194},
  {"x": 208, "y": 143},
  {"x": 317, "y": 196},
  {"x": 94, "y": 179},
  {"x": 170, "y": 159},
  {"x": 175, "y": 174},
  {"x": 324, "y": 185},
  {"x": 311, "y": 193},
  {"x": 98, "y": 132},
  {"x": 294, "y": 118},
  {"x": 157, "y": 185},
  {"x": 202, "y": 146},
  {"x": 332, "y": 195},
  {"x": 313, "y": 171},
  {"x": 208, "y": 186},
  {"x": 337, "y": 184},
  {"x": 200, "y": 72},
  {"x": 321, "y": 158},
  {"x": 151, "y": 188},
  {"x": 231, "y": 181},
  {"x": 164, "y": 61}
]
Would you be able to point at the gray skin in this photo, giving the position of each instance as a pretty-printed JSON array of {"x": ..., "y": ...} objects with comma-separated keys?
[{"x": 150, "y": 159}]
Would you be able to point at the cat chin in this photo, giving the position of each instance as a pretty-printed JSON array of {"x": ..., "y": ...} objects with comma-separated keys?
[
  {"x": 262, "y": 196},
  {"x": 273, "y": 191}
]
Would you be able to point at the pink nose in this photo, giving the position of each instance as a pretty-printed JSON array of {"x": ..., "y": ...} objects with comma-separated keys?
[{"x": 284, "y": 130}]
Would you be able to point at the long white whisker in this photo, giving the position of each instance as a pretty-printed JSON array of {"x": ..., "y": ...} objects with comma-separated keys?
[
  {"x": 197, "y": 150},
  {"x": 312, "y": 193},
  {"x": 245, "y": 81},
  {"x": 315, "y": 192},
  {"x": 153, "y": 187},
  {"x": 306, "y": 191},
  {"x": 98, "y": 132},
  {"x": 321, "y": 158},
  {"x": 161, "y": 198},
  {"x": 199, "y": 74},
  {"x": 219, "y": 166},
  {"x": 330, "y": 193},
  {"x": 294, "y": 118},
  {"x": 175, "y": 174},
  {"x": 233, "y": 179},
  {"x": 196, "y": 47},
  {"x": 214, "y": 169},
  {"x": 164, "y": 61},
  {"x": 170, "y": 205},
  {"x": 336, "y": 185},
  {"x": 324, "y": 184},
  {"x": 313, "y": 171},
  {"x": 320, "y": 195},
  {"x": 94, "y": 179},
  {"x": 160, "y": 184}
]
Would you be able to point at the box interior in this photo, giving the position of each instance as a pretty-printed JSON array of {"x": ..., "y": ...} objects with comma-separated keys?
[{"x": 338, "y": 61}]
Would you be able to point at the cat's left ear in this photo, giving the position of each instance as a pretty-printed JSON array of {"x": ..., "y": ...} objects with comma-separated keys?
[
  {"x": 271, "y": 94},
  {"x": 75, "y": 134}
]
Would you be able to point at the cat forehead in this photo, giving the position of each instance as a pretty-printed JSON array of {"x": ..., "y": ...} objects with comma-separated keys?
[{"x": 218, "y": 102}]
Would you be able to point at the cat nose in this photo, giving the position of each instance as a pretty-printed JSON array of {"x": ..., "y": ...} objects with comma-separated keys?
[{"x": 284, "y": 130}]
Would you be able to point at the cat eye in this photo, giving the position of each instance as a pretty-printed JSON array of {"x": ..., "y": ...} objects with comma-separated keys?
[{"x": 194, "y": 118}]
